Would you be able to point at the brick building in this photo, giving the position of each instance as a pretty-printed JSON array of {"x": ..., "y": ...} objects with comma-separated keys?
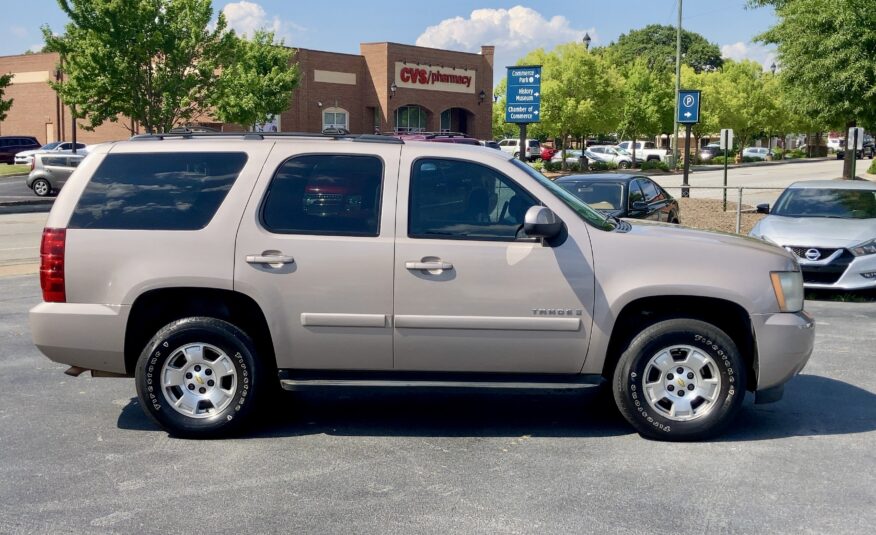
[{"x": 387, "y": 87}]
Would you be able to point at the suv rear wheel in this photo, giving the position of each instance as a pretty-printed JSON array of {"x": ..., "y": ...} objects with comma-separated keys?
[
  {"x": 199, "y": 377},
  {"x": 680, "y": 379}
]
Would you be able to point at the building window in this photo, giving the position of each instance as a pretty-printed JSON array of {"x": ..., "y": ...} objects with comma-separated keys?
[
  {"x": 445, "y": 121},
  {"x": 335, "y": 118},
  {"x": 410, "y": 119}
]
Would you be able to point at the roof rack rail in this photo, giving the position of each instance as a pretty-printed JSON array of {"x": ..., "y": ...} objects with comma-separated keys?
[{"x": 362, "y": 138}]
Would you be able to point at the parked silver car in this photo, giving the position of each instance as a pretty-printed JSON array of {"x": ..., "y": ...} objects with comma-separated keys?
[
  {"x": 26, "y": 157},
  {"x": 217, "y": 268},
  {"x": 830, "y": 226},
  {"x": 50, "y": 171}
]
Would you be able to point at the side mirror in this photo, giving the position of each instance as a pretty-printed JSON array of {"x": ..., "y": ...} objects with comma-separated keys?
[
  {"x": 763, "y": 208},
  {"x": 640, "y": 205},
  {"x": 541, "y": 222}
]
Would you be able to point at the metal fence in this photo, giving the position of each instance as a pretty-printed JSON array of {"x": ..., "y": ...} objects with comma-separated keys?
[{"x": 739, "y": 197}]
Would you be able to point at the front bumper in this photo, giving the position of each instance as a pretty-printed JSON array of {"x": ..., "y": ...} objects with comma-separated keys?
[
  {"x": 84, "y": 335},
  {"x": 23, "y": 160},
  {"x": 850, "y": 278},
  {"x": 784, "y": 344}
]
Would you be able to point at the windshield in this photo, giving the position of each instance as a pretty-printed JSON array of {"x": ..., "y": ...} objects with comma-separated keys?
[
  {"x": 585, "y": 212},
  {"x": 50, "y": 146},
  {"x": 599, "y": 195},
  {"x": 621, "y": 151},
  {"x": 834, "y": 203}
]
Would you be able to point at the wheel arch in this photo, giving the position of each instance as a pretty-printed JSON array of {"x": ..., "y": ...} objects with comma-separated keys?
[
  {"x": 726, "y": 315},
  {"x": 156, "y": 308}
]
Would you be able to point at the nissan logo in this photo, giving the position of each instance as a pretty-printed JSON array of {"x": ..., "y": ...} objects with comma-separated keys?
[{"x": 813, "y": 254}]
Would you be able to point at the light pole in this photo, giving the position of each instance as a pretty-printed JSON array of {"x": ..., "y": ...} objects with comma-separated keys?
[{"x": 677, "y": 85}]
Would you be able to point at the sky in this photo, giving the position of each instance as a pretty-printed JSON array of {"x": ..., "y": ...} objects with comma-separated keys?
[{"x": 513, "y": 27}]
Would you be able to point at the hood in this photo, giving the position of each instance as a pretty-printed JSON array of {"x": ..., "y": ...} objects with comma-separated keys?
[
  {"x": 701, "y": 240},
  {"x": 816, "y": 231},
  {"x": 27, "y": 153}
]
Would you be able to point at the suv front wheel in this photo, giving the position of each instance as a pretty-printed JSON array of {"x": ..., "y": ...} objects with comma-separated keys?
[
  {"x": 680, "y": 379},
  {"x": 199, "y": 377}
]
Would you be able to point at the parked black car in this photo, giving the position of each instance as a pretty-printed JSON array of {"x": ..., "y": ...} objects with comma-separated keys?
[
  {"x": 12, "y": 145},
  {"x": 631, "y": 196},
  {"x": 868, "y": 151}
]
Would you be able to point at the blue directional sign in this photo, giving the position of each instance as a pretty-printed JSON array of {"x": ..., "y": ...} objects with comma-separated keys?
[
  {"x": 688, "y": 106},
  {"x": 523, "y": 96}
]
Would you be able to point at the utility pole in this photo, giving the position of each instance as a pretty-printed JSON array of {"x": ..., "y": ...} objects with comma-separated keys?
[{"x": 674, "y": 139}]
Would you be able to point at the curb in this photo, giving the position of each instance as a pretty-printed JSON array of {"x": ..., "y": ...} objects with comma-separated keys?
[
  {"x": 26, "y": 206},
  {"x": 719, "y": 167}
]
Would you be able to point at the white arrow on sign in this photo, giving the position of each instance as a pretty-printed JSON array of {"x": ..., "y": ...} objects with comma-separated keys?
[
  {"x": 537, "y": 94},
  {"x": 538, "y": 76},
  {"x": 535, "y": 112},
  {"x": 687, "y": 114}
]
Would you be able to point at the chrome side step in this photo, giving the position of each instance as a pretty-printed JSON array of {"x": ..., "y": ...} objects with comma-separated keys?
[{"x": 431, "y": 381}]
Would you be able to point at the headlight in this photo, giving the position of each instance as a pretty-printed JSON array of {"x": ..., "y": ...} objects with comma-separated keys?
[
  {"x": 788, "y": 286},
  {"x": 868, "y": 247}
]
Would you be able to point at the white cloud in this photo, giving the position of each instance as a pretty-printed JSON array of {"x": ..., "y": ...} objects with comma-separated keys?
[
  {"x": 36, "y": 48},
  {"x": 514, "y": 32},
  {"x": 739, "y": 51},
  {"x": 247, "y": 17},
  {"x": 19, "y": 31}
]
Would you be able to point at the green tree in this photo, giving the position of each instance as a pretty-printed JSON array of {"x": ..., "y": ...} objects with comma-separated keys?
[
  {"x": 656, "y": 44},
  {"x": 825, "y": 50},
  {"x": 647, "y": 104},
  {"x": 580, "y": 92},
  {"x": 258, "y": 83},
  {"x": 5, "y": 104},
  {"x": 154, "y": 61}
]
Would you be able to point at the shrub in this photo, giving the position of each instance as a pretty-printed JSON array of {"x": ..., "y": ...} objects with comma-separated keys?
[
  {"x": 552, "y": 166},
  {"x": 655, "y": 164},
  {"x": 719, "y": 160},
  {"x": 538, "y": 165},
  {"x": 574, "y": 167},
  {"x": 794, "y": 154},
  {"x": 872, "y": 169},
  {"x": 749, "y": 159}
]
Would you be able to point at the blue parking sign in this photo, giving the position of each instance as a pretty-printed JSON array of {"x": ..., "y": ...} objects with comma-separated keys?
[{"x": 688, "y": 106}]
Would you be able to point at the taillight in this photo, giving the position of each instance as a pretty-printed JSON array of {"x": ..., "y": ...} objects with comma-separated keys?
[
  {"x": 52, "y": 265},
  {"x": 32, "y": 162}
]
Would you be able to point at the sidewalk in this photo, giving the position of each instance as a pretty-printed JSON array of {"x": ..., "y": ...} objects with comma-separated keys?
[{"x": 702, "y": 167}]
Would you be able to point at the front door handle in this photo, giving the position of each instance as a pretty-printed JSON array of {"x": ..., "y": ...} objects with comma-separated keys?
[
  {"x": 270, "y": 257},
  {"x": 429, "y": 266}
]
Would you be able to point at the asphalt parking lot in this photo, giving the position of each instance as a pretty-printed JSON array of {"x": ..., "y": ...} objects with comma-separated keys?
[{"x": 77, "y": 455}]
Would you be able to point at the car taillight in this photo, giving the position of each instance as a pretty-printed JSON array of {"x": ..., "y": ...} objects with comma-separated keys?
[{"x": 52, "y": 265}]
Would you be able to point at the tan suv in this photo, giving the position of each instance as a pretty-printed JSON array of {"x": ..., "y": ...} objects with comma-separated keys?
[{"x": 210, "y": 269}]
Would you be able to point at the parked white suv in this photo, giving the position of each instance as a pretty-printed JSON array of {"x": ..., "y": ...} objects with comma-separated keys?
[
  {"x": 215, "y": 268},
  {"x": 512, "y": 147}
]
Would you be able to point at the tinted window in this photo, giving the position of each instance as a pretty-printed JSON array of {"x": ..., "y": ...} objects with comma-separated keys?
[
  {"x": 649, "y": 189},
  {"x": 599, "y": 195},
  {"x": 163, "y": 191},
  {"x": 533, "y": 143},
  {"x": 452, "y": 199},
  {"x": 325, "y": 194},
  {"x": 4, "y": 142},
  {"x": 635, "y": 193}
]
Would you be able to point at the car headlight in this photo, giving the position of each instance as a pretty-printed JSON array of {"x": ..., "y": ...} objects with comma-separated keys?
[
  {"x": 788, "y": 286},
  {"x": 868, "y": 247}
]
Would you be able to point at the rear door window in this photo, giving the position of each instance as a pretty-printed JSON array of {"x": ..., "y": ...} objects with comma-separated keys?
[
  {"x": 157, "y": 191},
  {"x": 649, "y": 189},
  {"x": 327, "y": 194}
]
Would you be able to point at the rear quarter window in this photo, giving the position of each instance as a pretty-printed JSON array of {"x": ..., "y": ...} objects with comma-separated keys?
[{"x": 157, "y": 191}]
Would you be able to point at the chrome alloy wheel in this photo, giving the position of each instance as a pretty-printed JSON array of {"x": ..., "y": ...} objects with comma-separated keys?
[
  {"x": 682, "y": 383},
  {"x": 198, "y": 380}
]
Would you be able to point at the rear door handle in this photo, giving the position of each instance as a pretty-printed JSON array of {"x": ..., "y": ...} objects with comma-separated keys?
[
  {"x": 273, "y": 259},
  {"x": 428, "y": 266}
]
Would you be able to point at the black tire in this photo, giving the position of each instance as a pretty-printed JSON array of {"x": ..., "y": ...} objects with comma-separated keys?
[
  {"x": 623, "y": 165},
  {"x": 238, "y": 348},
  {"x": 41, "y": 187},
  {"x": 653, "y": 419}
]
